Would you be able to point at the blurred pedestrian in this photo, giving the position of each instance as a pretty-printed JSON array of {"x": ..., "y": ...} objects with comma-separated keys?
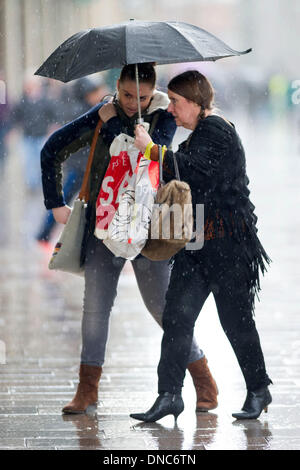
[
  {"x": 34, "y": 114},
  {"x": 4, "y": 130},
  {"x": 212, "y": 162},
  {"x": 102, "y": 268}
]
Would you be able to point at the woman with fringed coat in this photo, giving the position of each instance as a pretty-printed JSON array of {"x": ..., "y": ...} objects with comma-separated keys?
[{"x": 212, "y": 162}]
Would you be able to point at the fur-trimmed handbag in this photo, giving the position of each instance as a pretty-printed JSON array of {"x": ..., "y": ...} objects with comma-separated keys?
[{"x": 171, "y": 225}]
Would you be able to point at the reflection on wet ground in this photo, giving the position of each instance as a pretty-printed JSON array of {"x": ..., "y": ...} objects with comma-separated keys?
[{"x": 40, "y": 336}]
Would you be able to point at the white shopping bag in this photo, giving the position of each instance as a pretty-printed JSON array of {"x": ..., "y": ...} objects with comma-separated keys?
[{"x": 127, "y": 231}]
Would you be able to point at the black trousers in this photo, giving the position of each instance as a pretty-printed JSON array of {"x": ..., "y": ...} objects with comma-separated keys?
[{"x": 218, "y": 268}]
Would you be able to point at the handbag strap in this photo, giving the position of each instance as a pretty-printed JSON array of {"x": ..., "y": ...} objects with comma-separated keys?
[
  {"x": 161, "y": 180},
  {"x": 84, "y": 193},
  {"x": 176, "y": 167},
  {"x": 177, "y": 174}
]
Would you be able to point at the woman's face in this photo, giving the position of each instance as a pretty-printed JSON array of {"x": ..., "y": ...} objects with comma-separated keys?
[
  {"x": 128, "y": 96},
  {"x": 185, "y": 112}
]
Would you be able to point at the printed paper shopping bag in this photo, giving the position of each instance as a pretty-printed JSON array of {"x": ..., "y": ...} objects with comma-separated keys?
[{"x": 126, "y": 199}]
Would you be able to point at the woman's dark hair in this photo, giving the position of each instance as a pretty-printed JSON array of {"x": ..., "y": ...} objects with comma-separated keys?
[
  {"x": 194, "y": 86},
  {"x": 146, "y": 73}
]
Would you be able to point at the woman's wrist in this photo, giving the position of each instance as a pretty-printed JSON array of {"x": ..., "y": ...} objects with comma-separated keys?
[
  {"x": 152, "y": 151},
  {"x": 147, "y": 153}
]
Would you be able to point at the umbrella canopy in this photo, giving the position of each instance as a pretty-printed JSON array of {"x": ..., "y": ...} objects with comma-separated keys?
[{"x": 132, "y": 42}]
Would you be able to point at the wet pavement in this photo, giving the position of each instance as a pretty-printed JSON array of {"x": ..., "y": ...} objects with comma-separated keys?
[{"x": 40, "y": 335}]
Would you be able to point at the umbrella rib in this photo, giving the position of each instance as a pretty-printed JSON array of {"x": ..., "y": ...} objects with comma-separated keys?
[
  {"x": 182, "y": 35},
  {"x": 173, "y": 27}
]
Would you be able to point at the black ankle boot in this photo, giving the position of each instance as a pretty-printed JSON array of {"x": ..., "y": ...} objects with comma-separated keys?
[
  {"x": 254, "y": 404},
  {"x": 166, "y": 404}
]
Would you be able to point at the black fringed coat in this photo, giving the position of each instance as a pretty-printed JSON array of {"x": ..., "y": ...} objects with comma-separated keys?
[{"x": 212, "y": 161}]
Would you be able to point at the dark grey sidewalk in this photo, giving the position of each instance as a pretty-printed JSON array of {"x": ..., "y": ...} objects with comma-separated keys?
[{"x": 40, "y": 339}]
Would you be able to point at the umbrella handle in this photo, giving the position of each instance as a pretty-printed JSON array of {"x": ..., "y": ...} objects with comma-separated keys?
[{"x": 140, "y": 120}]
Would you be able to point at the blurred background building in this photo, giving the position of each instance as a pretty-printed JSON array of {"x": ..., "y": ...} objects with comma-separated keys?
[
  {"x": 260, "y": 90},
  {"x": 40, "y": 311},
  {"x": 31, "y": 29}
]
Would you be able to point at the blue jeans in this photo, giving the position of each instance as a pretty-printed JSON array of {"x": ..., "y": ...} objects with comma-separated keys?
[{"x": 102, "y": 272}]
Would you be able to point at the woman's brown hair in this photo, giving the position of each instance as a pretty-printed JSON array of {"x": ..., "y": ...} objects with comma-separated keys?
[
  {"x": 195, "y": 87},
  {"x": 146, "y": 73}
]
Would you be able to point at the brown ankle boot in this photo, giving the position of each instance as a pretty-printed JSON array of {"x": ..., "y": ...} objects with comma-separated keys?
[
  {"x": 87, "y": 390},
  {"x": 205, "y": 385}
]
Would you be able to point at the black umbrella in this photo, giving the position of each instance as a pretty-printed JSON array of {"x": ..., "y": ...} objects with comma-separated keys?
[{"x": 132, "y": 42}]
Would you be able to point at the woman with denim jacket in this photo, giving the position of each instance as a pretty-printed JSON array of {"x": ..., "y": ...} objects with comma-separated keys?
[{"x": 102, "y": 268}]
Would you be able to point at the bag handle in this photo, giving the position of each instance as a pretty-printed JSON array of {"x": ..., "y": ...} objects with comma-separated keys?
[
  {"x": 176, "y": 167},
  {"x": 160, "y": 161},
  {"x": 177, "y": 174},
  {"x": 84, "y": 193}
]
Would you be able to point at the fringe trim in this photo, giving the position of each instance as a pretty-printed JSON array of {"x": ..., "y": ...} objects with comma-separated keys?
[{"x": 242, "y": 227}]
